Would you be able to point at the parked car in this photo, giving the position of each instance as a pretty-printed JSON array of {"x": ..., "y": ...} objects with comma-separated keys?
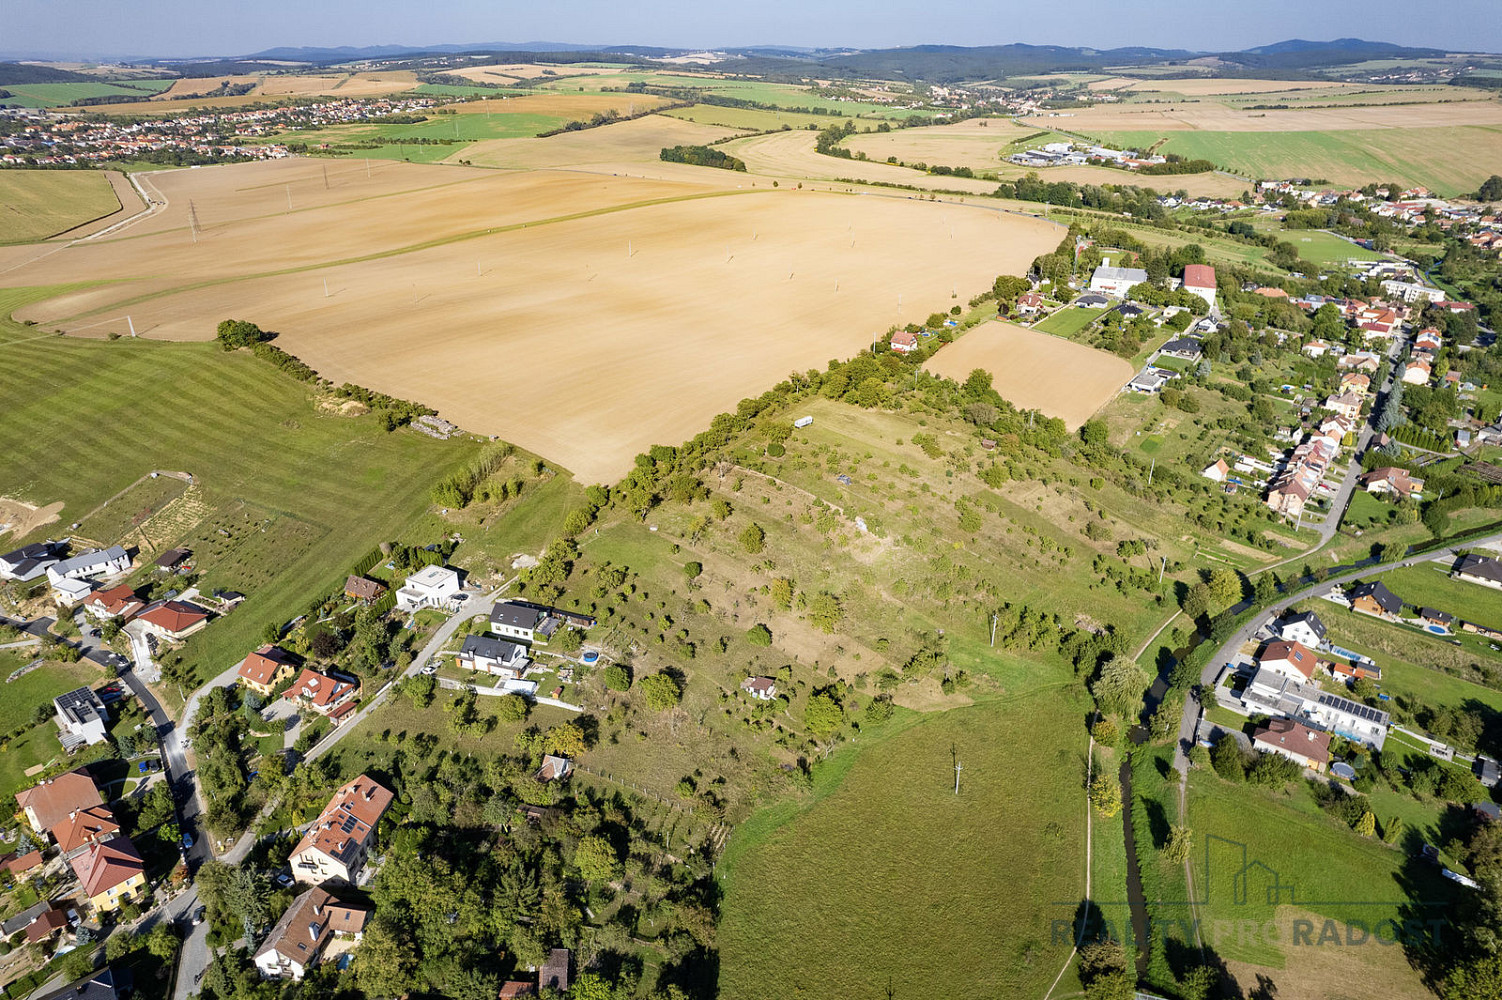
[
  {"x": 198, "y": 915},
  {"x": 284, "y": 879},
  {"x": 187, "y": 841}
]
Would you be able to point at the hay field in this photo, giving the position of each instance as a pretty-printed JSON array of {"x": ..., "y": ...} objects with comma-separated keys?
[
  {"x": 1210, "y": 116},
  {"x": 565, "y": 345},
  {"x": 792, "y": 155},
  {"x": 641, "y": 139},
  {"x": 36, "y": 204},
  {"x": 1035, "y": 371},
  {"x": 1446, "y": 160},
  {"x": 1211, "y": 87}
]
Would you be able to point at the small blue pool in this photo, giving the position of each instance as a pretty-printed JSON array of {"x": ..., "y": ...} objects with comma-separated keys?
[
  {"x": 1437, "y": 629},
  {"x": 590, "y": 657}
]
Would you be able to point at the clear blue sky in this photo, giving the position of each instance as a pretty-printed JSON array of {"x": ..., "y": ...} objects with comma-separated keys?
[{"x": 99, "y": 28}]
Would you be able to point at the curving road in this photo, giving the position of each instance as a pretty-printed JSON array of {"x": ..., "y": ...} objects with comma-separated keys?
[{"x": 1189, "y": 722}]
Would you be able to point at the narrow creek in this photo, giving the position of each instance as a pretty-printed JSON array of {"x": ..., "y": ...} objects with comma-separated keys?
[{"x": 1136, "y": 901}]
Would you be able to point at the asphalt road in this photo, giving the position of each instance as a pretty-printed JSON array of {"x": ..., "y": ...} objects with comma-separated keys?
[
  {"x": 195, "y": 955},
  {"x": 1189, "y": 722}
]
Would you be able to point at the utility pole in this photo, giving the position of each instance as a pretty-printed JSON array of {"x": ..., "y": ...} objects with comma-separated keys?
[
  {"x": 1150, "y": 469},
  {"x": 958, "y": 767},
  {"x": 994, "y": 616},
  {"x": 132, "y": 325},
  {"x": 1162, "y": 569}
]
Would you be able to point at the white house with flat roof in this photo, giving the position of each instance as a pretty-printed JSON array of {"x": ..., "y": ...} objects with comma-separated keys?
[{"x": 430, "y": 587}]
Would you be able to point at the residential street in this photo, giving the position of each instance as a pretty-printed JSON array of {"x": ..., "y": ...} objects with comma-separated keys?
[{"x": 1189, "y": 722}]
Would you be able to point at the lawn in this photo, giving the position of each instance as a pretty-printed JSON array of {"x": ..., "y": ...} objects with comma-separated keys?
[
  {"x": 817, "y": 893},
  {"x": 325, "y": 488},
  {"x": 1430, "y": 585},
  {"x": 1069, "y": 321},
  {"x": 1325, "y": 249},
  {"x": 1261, "y": 858},
  {"x": 36, "y": 204},
  {"x": 49, "y": 95},
  {"x": 18, "y": 699}
]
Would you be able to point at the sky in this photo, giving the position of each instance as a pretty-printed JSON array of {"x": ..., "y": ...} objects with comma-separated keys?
[{"x": 173, "y": 28}]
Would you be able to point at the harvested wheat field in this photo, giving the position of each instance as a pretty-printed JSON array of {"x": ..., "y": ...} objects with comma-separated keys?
[
  {"x": 1036, "y": 371},
  {"x": 1211, "y": 87},
  {"x": 583, "y": 337},
  {"x": 976, "y": 143},
  {"x": 238, "y": 239},
  {"x": 792, "y": 155},
  {"x": 1206, "y": 185},
  {"x": 639, "y": 140},
  {"x": 512, "y": 72}
]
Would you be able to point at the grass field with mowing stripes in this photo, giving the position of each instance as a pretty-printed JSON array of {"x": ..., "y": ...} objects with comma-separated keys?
[{"x": 253, "y": 437}]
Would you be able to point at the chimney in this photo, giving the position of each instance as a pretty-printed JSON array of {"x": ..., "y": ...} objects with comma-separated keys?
[
  {"x": 317, "y": 909},
  {"x": 370, "y": 793}
]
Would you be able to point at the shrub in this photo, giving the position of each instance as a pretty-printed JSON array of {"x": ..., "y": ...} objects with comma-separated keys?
[
  {"x": 617, "y": 677},
  {"x": 759, "y": 635},
  {"x": 661, "y": 691},
  {"x": 753, "y": 539}
]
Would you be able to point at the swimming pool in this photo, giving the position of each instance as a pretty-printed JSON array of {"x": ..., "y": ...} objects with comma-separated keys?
[
  {"x": 591, "y": 656},
  {"x": 1437, "y": 629}
]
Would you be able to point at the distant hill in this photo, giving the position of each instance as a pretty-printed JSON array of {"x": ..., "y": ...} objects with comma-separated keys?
[
  {"x": 1296, "y": 53},
  {"x": 21, "y": 73},
  {"x": 954, "y": 63},
  {"x": 346, "y": 53}
]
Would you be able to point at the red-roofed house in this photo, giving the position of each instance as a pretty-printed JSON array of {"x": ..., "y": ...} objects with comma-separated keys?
[
  {"x": 904, "y": 342},
  {"x": 1029, "y": 303},
  {"x": 48, "y": 804},
  {"x": 323, "y": 693},
  {"x": 336, "y": 845},
  {"x": 1291, "y": 659},
  {"x": 305, "y": 928},
  {"x": 1297, "y": 742},
  {"x": 111, "y": 873},
  {"x": 264, "y": 669},
  {"x": 117, "y": 602},
  {"x": 85, "y": 827},
  {"x": 22, "y": 867},
  {"x": 1200, "y": 279},
  {"x": 172, "y": 620}
]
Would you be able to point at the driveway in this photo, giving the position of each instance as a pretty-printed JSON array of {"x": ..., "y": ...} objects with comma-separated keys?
[{"x": 140, "y": 652}]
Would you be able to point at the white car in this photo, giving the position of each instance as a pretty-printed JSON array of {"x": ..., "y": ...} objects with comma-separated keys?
[{"x": 429, "y": 670}]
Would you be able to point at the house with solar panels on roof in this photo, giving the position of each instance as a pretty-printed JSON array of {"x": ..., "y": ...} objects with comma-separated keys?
[
  {"x": 1280, "y": 696},
  {"x": 337, "y": 844}
]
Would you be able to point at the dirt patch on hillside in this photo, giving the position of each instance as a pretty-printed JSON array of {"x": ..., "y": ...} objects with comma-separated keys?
[
  {"x": 1340, "y": 971},
  {"x": 19, "y": 519},
  {"x": 1036, "y": 371}
]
